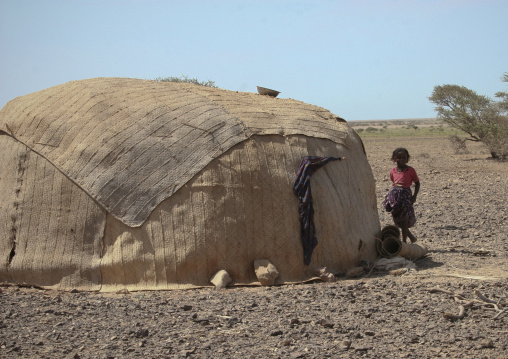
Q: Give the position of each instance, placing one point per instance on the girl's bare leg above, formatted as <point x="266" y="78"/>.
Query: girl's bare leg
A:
<point x="405" y="230"/>
<point x="411" y="236"/>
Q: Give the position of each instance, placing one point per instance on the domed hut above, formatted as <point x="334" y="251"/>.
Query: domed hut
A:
<point x="113" y="183"/>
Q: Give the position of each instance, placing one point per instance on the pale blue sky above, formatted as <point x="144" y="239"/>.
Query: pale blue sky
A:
<point x="361" y="59"/>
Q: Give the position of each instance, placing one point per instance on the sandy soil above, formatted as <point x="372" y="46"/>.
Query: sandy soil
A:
<point x="462" y="217"/>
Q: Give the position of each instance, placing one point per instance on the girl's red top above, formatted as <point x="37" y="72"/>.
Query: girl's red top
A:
<point x="405" y="178"/>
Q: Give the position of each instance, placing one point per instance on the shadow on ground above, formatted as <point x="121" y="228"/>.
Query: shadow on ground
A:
<point x="428" y="263"/>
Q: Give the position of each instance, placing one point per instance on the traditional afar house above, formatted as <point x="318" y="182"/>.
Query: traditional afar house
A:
<point x="114" y="183"/>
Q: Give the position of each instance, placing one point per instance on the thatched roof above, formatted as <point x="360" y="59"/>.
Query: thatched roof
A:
<point x="130" y="144"/>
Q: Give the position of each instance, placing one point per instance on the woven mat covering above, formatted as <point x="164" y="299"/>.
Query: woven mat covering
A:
<point x="51" y="230"/>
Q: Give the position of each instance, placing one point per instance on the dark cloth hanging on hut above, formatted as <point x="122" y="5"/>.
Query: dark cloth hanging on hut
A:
<point x="301" y="187"/>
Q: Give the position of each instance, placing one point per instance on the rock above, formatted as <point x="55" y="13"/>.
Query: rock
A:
<point x="327" y="277"/>
<point x="320" y="270"/>
<point x="325" y="323"/>
<point x="141" y="333"/>
<point x="221" y="279"/>
<point x="232" y="321"/>
<point x="399" y="271"/>
<point x="414" y="339"/>
<point x="265" y="272"/>
<point x="486" y="343"/>
<point x="324" y="275"/>
<point x="345" y="344"/>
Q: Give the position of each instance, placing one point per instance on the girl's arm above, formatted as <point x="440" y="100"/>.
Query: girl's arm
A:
<point x="417" y="189"/>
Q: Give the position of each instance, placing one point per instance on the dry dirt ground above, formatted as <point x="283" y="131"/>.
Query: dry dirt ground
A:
<point x="462" y="217"/>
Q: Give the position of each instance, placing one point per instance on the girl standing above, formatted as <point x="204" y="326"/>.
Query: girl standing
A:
<point x="399" y="200"/>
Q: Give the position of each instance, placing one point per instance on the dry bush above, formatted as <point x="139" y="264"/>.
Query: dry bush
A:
<point x="458" y="144"/>
<point x="496" y="139"/>
<point x="187" y="79"/>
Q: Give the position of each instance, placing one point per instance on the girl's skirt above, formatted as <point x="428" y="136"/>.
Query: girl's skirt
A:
<point x="398" y="202"/>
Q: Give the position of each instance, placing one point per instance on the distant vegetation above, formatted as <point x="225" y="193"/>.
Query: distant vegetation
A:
<point x="187" y="79"/>
<point x="479" y="117"/>
<point x="403" y="128"/>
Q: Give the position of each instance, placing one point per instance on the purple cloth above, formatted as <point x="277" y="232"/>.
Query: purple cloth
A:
<point x="301" y="187"/>
<point x="398" y="202"/>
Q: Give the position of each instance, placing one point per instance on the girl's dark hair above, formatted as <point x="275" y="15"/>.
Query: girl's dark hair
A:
<point x="397" y="150"/>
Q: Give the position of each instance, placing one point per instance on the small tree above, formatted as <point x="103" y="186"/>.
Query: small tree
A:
<point x="483" y="119"/>
<point x="503" y="95"/>
<point x="186" y="79"/>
